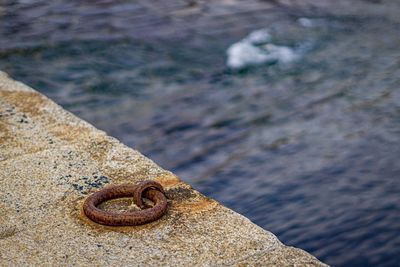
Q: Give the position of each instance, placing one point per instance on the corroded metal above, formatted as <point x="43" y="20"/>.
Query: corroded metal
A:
<point x="147" y="189"/>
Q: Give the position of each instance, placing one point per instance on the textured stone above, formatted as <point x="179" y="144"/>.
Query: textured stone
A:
<point x="51" y="160"/>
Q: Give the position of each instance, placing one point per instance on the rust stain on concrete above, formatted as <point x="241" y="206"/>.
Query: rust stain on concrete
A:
<point x="68" y="132"/>
<point x="168" y="180"/>
<point x="27" y="102"/>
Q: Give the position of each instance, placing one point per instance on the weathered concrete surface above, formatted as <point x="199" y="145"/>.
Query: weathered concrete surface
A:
<point x="50" y="160"/>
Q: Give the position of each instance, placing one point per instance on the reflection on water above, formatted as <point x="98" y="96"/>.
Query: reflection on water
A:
<point x="307" y="150"/>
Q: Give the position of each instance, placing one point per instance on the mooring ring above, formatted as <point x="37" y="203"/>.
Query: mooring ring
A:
<point x="147" y="189"/>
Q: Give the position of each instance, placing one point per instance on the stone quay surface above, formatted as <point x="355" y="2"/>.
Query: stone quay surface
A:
<point x="50" y="161"/>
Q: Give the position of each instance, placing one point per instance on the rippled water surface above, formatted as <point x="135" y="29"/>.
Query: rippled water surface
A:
<point x="308" y="149"/>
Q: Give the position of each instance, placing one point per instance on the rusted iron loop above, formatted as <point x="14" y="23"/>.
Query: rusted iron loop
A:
<point x="146" y="189"/>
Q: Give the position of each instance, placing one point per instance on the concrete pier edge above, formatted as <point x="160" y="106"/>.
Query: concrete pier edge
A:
<point x="50" y="161"/>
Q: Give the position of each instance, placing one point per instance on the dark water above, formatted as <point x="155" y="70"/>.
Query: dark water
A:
<point x="309" y="150"/>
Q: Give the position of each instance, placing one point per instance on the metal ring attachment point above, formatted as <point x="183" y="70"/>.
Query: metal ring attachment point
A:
<point x="146" y="189"/>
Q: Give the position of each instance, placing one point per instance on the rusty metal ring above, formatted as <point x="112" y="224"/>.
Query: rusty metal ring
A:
<point x="147" y="189"/>
<point x="141" y="188"/>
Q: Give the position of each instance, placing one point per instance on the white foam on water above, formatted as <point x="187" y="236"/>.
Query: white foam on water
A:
<point x="258" y="37"/>
<point x="306" y="22"/>
<point x="256" y="49"/>
<point x="282" y="54"/>
<point x="243" y="54"/>
<point x="312" y="22"/>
